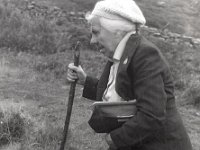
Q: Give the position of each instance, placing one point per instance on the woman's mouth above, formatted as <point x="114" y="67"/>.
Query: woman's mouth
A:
<point x="98" y="47"/>
<point x="102" y="50"/>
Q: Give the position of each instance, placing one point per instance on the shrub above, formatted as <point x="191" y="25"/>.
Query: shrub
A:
<point x="12" y="129"/>
<point x="23" y="32"/>
<point x="14" y="122"/>
<point x="39" y="33"/>
<point x="78" y="33"/>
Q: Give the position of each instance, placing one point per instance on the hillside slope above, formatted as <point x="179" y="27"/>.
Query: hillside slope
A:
<point x="34" y="85"/>
<point x="176" y="15"/>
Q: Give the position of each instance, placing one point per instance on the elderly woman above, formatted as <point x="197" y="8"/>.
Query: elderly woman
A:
<point x="137" y="70"/>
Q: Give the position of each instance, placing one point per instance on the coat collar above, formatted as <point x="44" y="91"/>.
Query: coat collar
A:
<point x="130" y="48"/>
<point x="121" y="46"/>
<point x="123" y="80"/>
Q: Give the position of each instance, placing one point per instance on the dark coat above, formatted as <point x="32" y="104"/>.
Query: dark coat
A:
<point x="144" y="75"/>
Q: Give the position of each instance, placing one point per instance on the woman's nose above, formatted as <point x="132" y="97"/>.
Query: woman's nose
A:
<point x="93" y="40"/>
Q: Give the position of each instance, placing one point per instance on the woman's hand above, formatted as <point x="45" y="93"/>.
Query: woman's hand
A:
<point x="76" y="73"/>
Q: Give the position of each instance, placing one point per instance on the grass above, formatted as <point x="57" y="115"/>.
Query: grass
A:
<point x="38" y="34"/>
<point x="44" y="101"/>
<point x="34" y="54"/>
<point x="180" y="15"/>
<point x="12" y="123"/>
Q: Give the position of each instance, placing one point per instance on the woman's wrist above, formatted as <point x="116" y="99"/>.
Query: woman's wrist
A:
<point x="82" y="81"/>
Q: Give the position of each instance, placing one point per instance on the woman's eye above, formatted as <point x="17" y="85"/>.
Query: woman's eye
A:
<point x="95" y="32"/>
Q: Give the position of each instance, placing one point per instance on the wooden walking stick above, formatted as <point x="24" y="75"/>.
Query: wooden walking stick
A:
<point x="70" y="98"/>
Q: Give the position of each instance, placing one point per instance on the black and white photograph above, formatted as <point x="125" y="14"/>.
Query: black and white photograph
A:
<point x="99" y="74"/>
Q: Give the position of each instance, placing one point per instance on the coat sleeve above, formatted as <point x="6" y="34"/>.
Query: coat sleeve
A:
<point x="148" y="87"/>
<point x="90" y="88"/>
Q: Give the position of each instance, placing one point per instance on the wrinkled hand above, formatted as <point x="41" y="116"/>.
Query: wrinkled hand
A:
<point x="110" y="142"/>
<point x="76" y="73"/>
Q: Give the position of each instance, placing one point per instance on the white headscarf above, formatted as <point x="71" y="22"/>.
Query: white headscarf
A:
<point x="118" y="14"/>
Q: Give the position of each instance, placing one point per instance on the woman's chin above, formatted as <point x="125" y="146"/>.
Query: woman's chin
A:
<point x="108" y="56"/>
<point x="109" y="59"/>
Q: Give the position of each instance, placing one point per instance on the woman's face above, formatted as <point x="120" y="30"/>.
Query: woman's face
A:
<point x="107" y="40"/>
